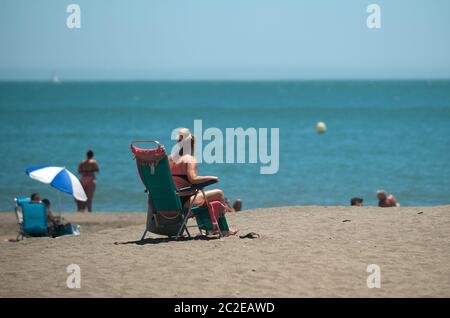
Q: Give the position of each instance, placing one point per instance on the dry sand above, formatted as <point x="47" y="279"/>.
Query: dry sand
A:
<point x="303" y="252"/>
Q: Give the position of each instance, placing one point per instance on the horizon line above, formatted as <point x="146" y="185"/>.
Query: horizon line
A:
<point x="61" y="81"/>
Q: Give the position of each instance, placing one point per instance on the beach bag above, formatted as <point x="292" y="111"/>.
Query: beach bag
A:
<point x="67" y="229"/>
<point x="166" y="223"/>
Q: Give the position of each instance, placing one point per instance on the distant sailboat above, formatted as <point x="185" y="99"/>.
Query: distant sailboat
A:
<point x="55" y="79"/>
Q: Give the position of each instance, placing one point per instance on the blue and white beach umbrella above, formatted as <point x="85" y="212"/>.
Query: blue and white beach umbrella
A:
<point x="59" y="178"/>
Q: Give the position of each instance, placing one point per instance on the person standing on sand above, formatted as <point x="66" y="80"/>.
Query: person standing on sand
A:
<point x="87" y="170"/>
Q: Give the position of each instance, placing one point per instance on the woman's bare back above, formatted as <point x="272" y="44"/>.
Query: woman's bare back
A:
<point x="88" y="167"/>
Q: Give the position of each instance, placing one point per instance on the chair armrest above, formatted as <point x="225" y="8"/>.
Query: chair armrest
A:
<point x="194" y="187"/>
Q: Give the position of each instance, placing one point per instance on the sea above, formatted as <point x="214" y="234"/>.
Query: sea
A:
<point x="392" y="135"/>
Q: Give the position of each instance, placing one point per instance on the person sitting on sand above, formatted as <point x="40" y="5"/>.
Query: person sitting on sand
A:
<point x="87" y="170"/>
<point x="35" y="198"/>
<point x="356" y="202"/>
<point x="184" y="168"/>
<point x="54" y="223"/>
<point x="51" y="218"/>
<point x="385" y="200"/>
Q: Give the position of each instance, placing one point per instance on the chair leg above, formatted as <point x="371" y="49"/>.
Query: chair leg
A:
<point x="19" y="235"/>
<point x="186" y="229"/>
<point x="183" y="226"/>
<point x="143" y="236"/>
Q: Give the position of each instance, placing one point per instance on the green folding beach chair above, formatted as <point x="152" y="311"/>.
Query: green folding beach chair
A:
<point x="166" y="215"/>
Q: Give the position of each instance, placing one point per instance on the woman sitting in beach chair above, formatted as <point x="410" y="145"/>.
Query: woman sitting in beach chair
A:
<point x="53" y="221"/>
<point x="184" y="168"/>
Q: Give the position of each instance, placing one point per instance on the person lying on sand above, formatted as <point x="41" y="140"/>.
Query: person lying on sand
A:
<point x="385" y="200"/>
<point x="184" y="168"/>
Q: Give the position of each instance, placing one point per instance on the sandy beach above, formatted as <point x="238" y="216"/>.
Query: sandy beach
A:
<point x="307" y="251"/>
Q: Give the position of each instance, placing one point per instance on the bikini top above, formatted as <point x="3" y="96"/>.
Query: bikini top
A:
<point x="88" y="171"/>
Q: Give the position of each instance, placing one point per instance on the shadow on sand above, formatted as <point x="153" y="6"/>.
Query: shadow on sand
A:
<point x="158" y="240"/>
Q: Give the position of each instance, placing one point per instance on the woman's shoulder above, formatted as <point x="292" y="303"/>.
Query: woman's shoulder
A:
<point x="188" y="159"/>
<point x="181" y="159"/>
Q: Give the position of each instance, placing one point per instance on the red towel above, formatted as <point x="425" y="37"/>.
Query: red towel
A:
<point x="216" y="210"/>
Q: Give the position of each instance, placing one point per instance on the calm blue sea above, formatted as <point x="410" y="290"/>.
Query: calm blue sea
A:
<point x="381" y="134"/>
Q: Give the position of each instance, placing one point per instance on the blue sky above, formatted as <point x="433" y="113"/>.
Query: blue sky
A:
<point x="224" y="39"/>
